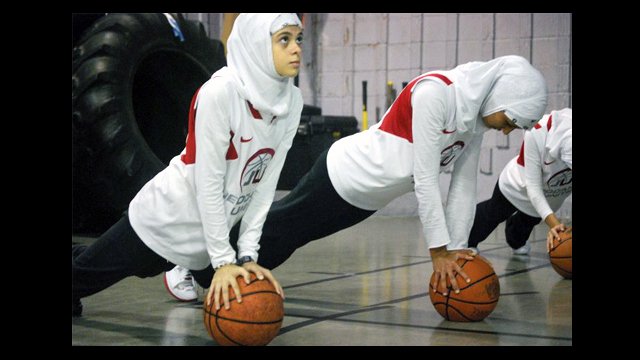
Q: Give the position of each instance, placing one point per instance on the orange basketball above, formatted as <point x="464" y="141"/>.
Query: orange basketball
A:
<point x="476" y="300"/>
<point x="560" y="254"/>
<point x="254" y="322"/>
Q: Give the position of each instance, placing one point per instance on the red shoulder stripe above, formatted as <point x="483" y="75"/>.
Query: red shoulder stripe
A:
<point x="399" y="118"/>
<point x="189" y="157"/>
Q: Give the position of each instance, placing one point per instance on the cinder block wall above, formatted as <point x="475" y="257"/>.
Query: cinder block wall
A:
<point x="341" y="50"/>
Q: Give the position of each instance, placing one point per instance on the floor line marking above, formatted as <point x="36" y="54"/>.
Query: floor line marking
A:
<point x="316" y="319"/>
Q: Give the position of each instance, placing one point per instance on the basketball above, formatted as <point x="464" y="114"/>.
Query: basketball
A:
<point x="560" y="254"/>
<point x="476" y="300"/>
<point x="253" y="322"/>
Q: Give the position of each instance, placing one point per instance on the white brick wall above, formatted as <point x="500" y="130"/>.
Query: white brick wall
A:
<point x="370" y="28"/>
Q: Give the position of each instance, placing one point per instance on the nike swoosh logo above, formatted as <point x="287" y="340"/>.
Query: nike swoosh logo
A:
<point x="449" y="132"/>
<point x="245" y="140"/>
<point x="549" y="163"/>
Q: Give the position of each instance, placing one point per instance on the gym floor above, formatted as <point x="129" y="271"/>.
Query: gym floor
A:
<point x="366" y="285"/>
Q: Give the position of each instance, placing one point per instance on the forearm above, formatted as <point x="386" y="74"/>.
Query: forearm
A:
<point x="254" y="218"/>
<point x="533" y="177"/>
<point x="461" y="202"/>
<point x="209" y="191"/>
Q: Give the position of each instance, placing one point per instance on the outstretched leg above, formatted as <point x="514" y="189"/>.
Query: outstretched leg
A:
<point x="489" y="214"/>
<point x="311" y="211"/>
<point x="518" y="229"/>
<point x="117" y="254"/>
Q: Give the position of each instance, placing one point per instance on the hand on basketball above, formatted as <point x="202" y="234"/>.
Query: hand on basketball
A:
<point x="222" y="279"/>
<point x="554" y="234"/>
<point x="261" y="273"/>
<point x="445" y="267"/>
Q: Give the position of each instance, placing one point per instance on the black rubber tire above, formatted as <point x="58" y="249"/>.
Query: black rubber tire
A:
<point x="132" y="83"/>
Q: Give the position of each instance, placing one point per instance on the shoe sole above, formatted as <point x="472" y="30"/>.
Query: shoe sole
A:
<point x="166" y="286"/>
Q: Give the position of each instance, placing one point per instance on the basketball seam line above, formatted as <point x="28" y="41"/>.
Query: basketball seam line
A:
<point x="459" y="313"/>
<point x="559" y="243"/>
<point x="249" y="322"/>
<point x="256" y="292"/>
<point x="225" y="334"/>
<point x="468" y="302"/>
<point x="247" y="294"/>
<point x="466" y="287"/>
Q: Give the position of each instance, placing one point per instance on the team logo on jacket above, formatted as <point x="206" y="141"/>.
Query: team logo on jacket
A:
<point x="256" y="166"/>
<point x="559" y="184"/>
<point x="450" y="152"/>
<point x="562" y="178"/>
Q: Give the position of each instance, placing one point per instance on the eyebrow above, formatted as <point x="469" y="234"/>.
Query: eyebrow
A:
<point x="288" y="33"/>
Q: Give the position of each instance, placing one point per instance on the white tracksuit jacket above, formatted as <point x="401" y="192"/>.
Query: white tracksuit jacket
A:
<point x="415" y="140"/>
<point x="186" y="211"/>
<point x="539" y="188"/>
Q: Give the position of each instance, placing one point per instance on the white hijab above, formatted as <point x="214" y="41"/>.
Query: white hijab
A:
<point x="250" y="62"/>
<point x="560" y="139"/>
<point x="507" y="83"/>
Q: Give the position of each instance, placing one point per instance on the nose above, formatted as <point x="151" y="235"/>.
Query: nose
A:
<point x="296" y="49"/>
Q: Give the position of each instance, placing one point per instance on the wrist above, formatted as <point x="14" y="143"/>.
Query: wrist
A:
<point x="438" y="250"/>
<point x="244" y="259"/>
<point x="223" y="264"/>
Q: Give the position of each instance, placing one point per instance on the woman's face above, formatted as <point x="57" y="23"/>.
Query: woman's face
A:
<point x="499" y="121"/>
<point x="287" y="50"/>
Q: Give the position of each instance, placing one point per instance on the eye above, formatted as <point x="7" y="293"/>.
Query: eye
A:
<point x="284" y="40"/>
<point x="299" y="39"/>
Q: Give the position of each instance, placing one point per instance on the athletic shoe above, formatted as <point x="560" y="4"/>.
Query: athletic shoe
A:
<point x="180" y="284"/>
<point x="523" y="250"/>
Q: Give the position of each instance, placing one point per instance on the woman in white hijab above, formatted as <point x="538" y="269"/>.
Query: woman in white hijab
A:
<point x="436" y="121"/>
<point x="532" y="186"/>
<point x="242" y="122"/>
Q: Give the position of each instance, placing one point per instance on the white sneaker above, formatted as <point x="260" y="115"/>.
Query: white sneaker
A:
<point x="474" y="250"/>
<point x="180" y="284"/>
<point x="523" y="250"/>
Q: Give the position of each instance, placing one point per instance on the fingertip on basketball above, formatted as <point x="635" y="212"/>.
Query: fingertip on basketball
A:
<point x="475" y="300"/>
<point x="255" y="322"/>
<point x="560" y="255"/>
